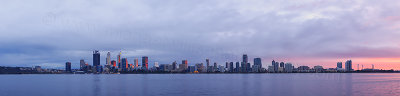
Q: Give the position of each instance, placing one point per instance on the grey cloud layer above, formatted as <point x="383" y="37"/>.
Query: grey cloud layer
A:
<point x="48" y="32"/>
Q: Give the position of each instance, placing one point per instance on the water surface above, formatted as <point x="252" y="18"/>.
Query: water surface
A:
<point x="297" y="84"/>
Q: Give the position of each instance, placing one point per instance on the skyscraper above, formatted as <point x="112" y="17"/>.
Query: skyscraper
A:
<point x="145" y="62"/>
<point x="245" y="58"/>
<point x="275" y="65"/>
<point x="231" y="67"/>
<point x="108" y="59"/>
<point x="208" y="64"/>
<point x="339" y="65"/>
<point x="243" y="67"/>
<point x="68" y="67"/>
<point x="349" y="66"/>
<point x="215" y="66"/>
<point x="136" y="62"/>
<point x="96" y="58"/>
<point x="226" y="64"/>
<point x="237" y="66"/>
<point x="257" y="61"/>
<point x="114" y="63"/>
<point x="82" y="64"/>
<point x="174" y="64"/>
<point x="185" y="63"/>
<point x="282" y="65"/>
<point x="124" y="64"/>
<point x="289" y="67"/>
<point x="119" y="59"/>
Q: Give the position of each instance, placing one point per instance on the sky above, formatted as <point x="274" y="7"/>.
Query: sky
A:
<point x="49" y="33"/>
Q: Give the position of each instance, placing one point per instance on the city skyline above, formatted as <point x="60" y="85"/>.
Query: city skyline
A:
<point x="245" y="64"/>
<point x="308" y="33"/>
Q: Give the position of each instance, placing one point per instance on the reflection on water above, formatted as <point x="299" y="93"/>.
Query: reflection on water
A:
<point x="330" y="84"/>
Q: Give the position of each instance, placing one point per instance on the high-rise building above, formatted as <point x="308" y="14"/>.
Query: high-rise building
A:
<point x="282" y="65"/>
<point x="136" y="62"/>
<point x="289" y="67"/>
<point x="208" y="64"/>
<point x="185" y="63"/>
<point x="119" y="59"/>
<point x="215" y="66"/>
<point x="226" y="64"/>
<point x="245" y="58"/>
<point x="96" y="58"/>
<point x="275" y="65"/>
<point x="200" y="67"/>
<point x="145" y="62"/>
<point x="339" y="65"/>
<point x="174" y="65"/>
<point x="124" y="64"/>
<point x="257" y="61"/>
<point x="68" y="67"/>
<point x="231" y="67"/>
<point x="108" y="59"/>
<point x="248" y="67"/>
<point x="82" y="65"/>
<point x="243" y="67"/>
<point x="113" y="63"/>
<point x="237" y="67"/>
<point x="349" y="66"/>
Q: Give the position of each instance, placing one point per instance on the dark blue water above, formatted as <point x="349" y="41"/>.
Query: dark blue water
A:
<point x="330" y="84"/>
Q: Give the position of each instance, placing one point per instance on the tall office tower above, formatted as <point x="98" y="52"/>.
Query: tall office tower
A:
<point x="276" y="65"/>
<point x="339" y="65"/>
<point x="349" y="65"/>
<point x="136" y="62"/>
<point x="248" y="67"/>
<point x="124" y="64"/>
<point x="185" y="63"/>
<point x="114" y="63"/>
<point x="215" y="66"/>
<point x="82" y="64"/>
<point x="231" y="67"/>
<point x="68" y="67"/>
<point x="245" y="58"/>
<point x="208" y="64"/>
<point x="273" y="62"/>
<point x="226" y="64"/>
<point x="96" y="58"/>
<point x="108" y="59"/>
<point x="289" y="67"/>
<point x="257" y="61"/>
<point x="237" y="66"/>
<point x="199" y="67"/>
<point x="174" y="65"/>
<point x="282" y="65"/>
<point x="145" y="62"/>
<point x="243" y="67"/>
<point x="119" y="59"/>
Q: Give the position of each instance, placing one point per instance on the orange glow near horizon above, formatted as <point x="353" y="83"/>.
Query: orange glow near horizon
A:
<point x="379" y="63"/>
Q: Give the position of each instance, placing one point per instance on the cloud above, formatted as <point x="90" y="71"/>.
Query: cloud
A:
<point x="47" y="32"/>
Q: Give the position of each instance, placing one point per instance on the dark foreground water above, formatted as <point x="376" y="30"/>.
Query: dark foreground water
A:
<point x="345" y="84"/>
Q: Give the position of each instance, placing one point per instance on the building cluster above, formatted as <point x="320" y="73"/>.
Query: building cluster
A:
<point x="121" y="65"/>
<point x="282" y="67"/>
<point x="28" y="70"/>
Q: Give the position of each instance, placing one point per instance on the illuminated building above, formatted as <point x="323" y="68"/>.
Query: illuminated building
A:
<point x="145" y="62"/>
